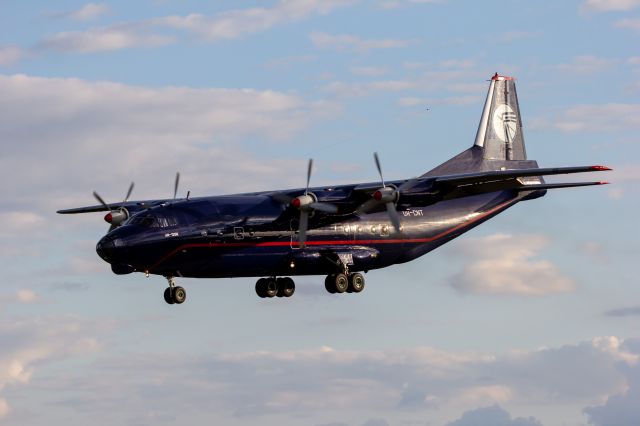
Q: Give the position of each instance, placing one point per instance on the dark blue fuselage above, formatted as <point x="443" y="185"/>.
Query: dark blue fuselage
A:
<point x="253" y="236"/>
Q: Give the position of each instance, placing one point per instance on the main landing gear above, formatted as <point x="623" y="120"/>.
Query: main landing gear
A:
<point x="334" y="283"/>
<point x="341" y="283"/>
<point x="271" y="287"/>
<point x="173" y="293"/>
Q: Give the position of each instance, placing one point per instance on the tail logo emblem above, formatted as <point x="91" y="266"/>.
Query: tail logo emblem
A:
<point x="505" y="123"/>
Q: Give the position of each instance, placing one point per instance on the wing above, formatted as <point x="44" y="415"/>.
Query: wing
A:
<point x="131" y="206"/>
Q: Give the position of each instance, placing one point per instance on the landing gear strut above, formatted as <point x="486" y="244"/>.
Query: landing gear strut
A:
<point x="173" y="293"/>
<point x="271" y="287"/>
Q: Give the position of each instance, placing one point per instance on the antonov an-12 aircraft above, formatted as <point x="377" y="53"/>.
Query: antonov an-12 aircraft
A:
<point x="340" y="231"/>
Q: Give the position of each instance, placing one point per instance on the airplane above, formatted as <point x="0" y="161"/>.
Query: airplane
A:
<point x="341" y="231"/>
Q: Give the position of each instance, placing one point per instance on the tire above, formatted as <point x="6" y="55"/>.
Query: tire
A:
<point x="330" y="284"/>
<point x="341" y="283"/>
<point x="271" y="287"/>
<point x="261" y="286"/>
<point x="179" y="295"/>
<point x="167" y="296"/>
<point x="286" y="287"/>
<point x="356" y="282"/>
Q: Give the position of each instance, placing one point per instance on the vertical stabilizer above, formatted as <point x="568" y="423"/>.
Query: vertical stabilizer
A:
<point x="500" y="129"/>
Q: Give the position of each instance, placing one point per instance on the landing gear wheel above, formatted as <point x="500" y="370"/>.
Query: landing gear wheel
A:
<point x="286" y="287"/>
<point x="356" y="283"/>
<point x="261" y="287"/>
<point x="179" y="295"/>
<point x="167" y="296"/>
<point x="329" y="284"/>
<point x="341" y="283"/>
<point x="271" y="287"/>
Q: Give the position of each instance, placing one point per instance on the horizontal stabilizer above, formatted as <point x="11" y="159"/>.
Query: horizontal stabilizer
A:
<point x="558" y="185"/>
<point x="499" y="175"/>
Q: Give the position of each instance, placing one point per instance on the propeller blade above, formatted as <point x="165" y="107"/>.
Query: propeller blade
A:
<point x="126" y="198"/>
<point x="309" y="167"/>
<point x="324" y="207"/>
<point x="367" y="206"/>
<point x="101" y="201"/>
<point x="302" y="228"/>
<point x="175" y="187"/>
<point x="393" y="215"/>
<point x="377" y="160"/>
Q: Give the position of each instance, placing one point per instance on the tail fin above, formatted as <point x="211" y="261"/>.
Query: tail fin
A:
<point x="499" y="141"/>
<point x="500" y="130"/>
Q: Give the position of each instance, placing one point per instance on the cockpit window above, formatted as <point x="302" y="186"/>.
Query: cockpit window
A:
<point x="151" y="221"/>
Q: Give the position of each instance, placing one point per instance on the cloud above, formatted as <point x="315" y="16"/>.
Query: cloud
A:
<point x="492" y="416"/>
<point x="393" y="4"/>
<point x="369" y="71"/>
<point x="30" y="342"/>
<point x="609" y="5"/>
<point x="240" y="22"/>
<point x="585" y="65"/>
<point x="307" y="382"/>
<point x="623" y="408"/>
<point x="623" y="312"/>
<point x="507" y="264"/>
<point x="352" y="43"/>
<point x="10" y="54"/>
<point x="614" y="117"/>
<point x="628" y="24"/>
<point x="88" y="12"/>
<point x="102" y="39"/>
<point x="109" y="133"/>
<point x="152" y="32"/>
<point x="434" y="81"/>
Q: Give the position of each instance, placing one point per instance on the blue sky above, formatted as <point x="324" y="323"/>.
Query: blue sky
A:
<point x="237" y="95"/>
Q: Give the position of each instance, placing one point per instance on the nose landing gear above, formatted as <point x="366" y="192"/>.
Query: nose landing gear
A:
<point x="174" y="294"/>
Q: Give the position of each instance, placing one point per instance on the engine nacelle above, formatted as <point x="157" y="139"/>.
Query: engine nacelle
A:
<point x="116" y="217"/>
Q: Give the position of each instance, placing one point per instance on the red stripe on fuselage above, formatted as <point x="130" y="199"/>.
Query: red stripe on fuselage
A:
<point x="334" y="242"/>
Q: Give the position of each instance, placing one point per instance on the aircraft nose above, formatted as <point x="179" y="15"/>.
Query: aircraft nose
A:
<point x="107" y="247"/>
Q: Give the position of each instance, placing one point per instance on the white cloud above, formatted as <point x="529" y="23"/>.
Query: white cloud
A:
<point x="25" y="295"/>
<point x="492" y="416"/>
<point x="614" y="117"/>
<point x="308" y="382"/>
<point x="393" y="4"/>
<point x="224" y="25"/>
<point x="4" y="408"/>
<point x="10" y="54"/>
<point x="622" y="408"/>
<point x="30" y="342"/>
<point x="101" y="135"/>
<point x="435" y="82"/>
<point x="352" y="43"/>
<point x="628" y="24"/>
<point x="508" y="264"/>
<point x="585" y="65"/>
<point x="369" y="71"/>
<point x="609" y="5"/>
<point x="89" y="11"/>
<point x="102" y="39"/>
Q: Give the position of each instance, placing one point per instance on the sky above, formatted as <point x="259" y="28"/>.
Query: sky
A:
<point x="532" y="318"/>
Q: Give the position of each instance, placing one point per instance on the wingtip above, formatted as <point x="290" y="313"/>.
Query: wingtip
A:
<point x="604" y="183"/>
<point x="600" y="168"/>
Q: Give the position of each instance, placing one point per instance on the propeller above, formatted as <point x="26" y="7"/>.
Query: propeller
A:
<point x="387" y="194"/>
<point x="175" y="186"/>
<point x="117" y="216"/>
<point x="306" y="203"/>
